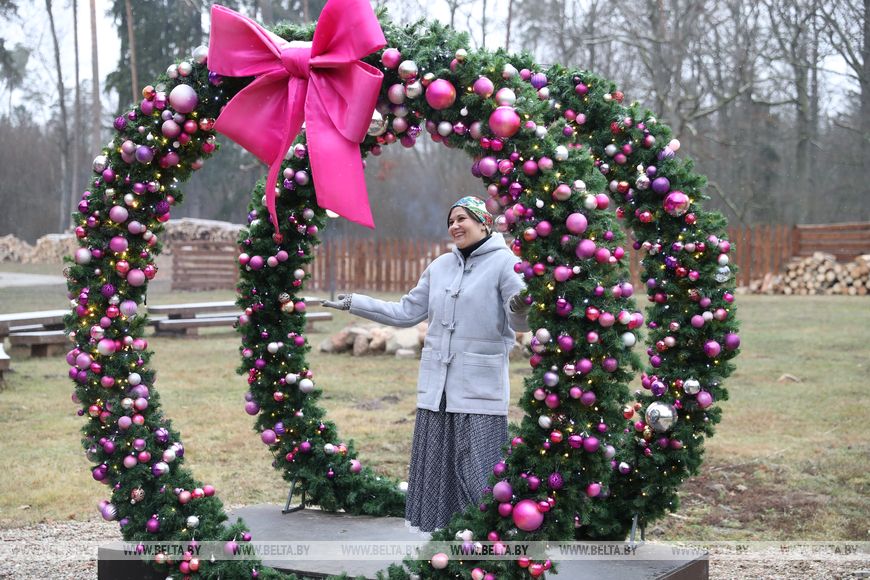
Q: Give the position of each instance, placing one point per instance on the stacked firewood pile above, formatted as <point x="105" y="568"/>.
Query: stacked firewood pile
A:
<point x="51" y="248"/>
<point x="818" y="274"/>
<point x="368" y="338"/>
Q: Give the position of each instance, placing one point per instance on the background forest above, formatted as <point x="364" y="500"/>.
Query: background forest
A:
<point x="770" y="97"/>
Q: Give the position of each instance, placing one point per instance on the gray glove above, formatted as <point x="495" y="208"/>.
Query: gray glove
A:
<point x="518" y="305"/>
<point x="341" y="302"/>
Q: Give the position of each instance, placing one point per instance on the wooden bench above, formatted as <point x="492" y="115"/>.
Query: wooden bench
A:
<point x="39" y="342"/>
<point x="188" y="318"/>
<point x="21" y="322"/>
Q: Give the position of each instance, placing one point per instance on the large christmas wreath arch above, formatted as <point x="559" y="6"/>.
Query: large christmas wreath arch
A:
<point x="564" y="160"/>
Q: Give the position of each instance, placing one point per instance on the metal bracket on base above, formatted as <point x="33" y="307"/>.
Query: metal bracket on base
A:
<point x="633" y="532"/>
<point x="287" y="509"/>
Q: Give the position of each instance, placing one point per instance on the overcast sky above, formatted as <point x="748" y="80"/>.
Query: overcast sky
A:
<point x="32" y="29"/>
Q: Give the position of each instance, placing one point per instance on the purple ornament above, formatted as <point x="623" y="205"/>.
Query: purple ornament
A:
<point x="502" y="491"/>
<point x="588" y="398"/>
<point x="118" y="244"/>
<point x="268" y="437"/>
<point x="676" y="203"/>
<point x="705" y="399"/>
<point x="144" y="154"/>
<point x="555" y="481"/>
<point x="732" y="341"/>
<point x="591" y="444"/>
<point x="526" y="515"/>
<point x="661" y="185"/>
<point x="539" y="80"/>
<point x="712" y="348"/>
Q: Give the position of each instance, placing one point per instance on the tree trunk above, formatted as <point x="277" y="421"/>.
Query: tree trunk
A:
<point x="483" y="25"/>
<point x="64" y="131"/>
<point x="507" y="38"/>
<point x="75" y="186"/>
<point x="96" y="120"/>
<point x="305" y="11"/>
<point x="864" y="111"/>
<point x="131" y="38"/>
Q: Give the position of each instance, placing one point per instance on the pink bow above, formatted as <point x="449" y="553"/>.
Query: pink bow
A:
<point x="324" y="85"/>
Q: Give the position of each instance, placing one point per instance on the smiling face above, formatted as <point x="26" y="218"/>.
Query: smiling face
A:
<point x="464" y="229"/>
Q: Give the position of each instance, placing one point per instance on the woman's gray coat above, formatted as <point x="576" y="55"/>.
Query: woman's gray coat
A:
<point x="471" y="327"/>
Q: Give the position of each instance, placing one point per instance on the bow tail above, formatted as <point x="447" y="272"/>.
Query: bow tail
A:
<point x="336" y="167"/>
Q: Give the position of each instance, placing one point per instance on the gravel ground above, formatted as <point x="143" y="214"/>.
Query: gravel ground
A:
<point x="73" y="547"/>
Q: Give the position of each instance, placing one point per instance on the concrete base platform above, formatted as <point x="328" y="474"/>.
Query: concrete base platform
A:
<point x="267" y="523"/>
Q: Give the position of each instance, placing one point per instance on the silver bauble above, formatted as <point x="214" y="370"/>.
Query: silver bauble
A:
<point x="723" y="274"/>
<point x="200" y="54"/>
<point x="545" y="422"/>
<point x="408" y="70"/>
<point x="691" y="386"/>
<point x="306" y="385"/>
<point x="561" y="153"/>
<point x="192" y="522"/>
<point x="661" y="416"/>
<point x="100" y="163"/>
<point x="378" y="125"/>
<point x="414" y="90"/>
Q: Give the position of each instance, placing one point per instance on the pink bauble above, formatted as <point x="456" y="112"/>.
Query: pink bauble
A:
<point x="136" y="277"/>
<point x="585" y="249"/>
<point x="252" y="408"/>
<point x="440" y="560"/>
<point x="676" y="203"/>
<point x="526" y="515"/>
<point x="562" y="273"/>
<point x="483" y="87"/>
<point x="118" y="214"/>
<point x="576" y="223"/>
<point x="488" y="166"/>
<point x="502" y="491"/>
<point x="505" y="509"/>
<point x="440" y="94"/>
<point x="118" y="244"/>
<point x="268" y="436"/>
<point x="712" y="348"/>
<point x="705" y="399"/>
<point x="130" y="461"/>
<point x="128" y="307"/>
<point x="504" y="122"/>
<point x="256" y="262"/>
<point x="391" y="58"/>
<point x="355" y="466"/>
<point x="183" y="98"/>
<point x="593" y="489"/>
<point x="83" y="256"/>
<point x="106" y="346"/>
<point x="170" y="129"/>
<point x="83" y="361"/>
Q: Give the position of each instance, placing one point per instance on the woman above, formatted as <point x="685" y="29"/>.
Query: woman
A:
<point x="471" y="298"/>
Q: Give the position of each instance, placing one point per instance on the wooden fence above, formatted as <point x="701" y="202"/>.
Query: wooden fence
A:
<point x="204" y="265"/>
<point x="396" y="265"/>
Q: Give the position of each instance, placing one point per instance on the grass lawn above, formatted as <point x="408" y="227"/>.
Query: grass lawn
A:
<point x="788" y="462"/>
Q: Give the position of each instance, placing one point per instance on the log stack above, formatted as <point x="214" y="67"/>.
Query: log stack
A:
<point x="819" y="274"/>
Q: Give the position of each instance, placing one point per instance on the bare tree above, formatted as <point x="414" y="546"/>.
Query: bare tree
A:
<point x="95" y="83"/>
<point x="131" y="38"/>
<point x="847" y="24"/>
<point x="75" y="186"/>
<point x="64" y="127"/>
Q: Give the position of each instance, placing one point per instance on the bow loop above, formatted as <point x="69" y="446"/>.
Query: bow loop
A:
<point x="324" y="85"/>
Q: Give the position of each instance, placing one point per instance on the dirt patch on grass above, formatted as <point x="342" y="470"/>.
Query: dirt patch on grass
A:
<point x="762" y="501"/>
<point x="377" y="404"/>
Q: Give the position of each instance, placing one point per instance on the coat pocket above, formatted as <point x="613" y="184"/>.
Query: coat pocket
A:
<point x="428" y="370"/>
<point x="483" y="376"/>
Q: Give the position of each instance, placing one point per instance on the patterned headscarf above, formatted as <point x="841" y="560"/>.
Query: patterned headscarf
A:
<point x="476" y="207"/>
